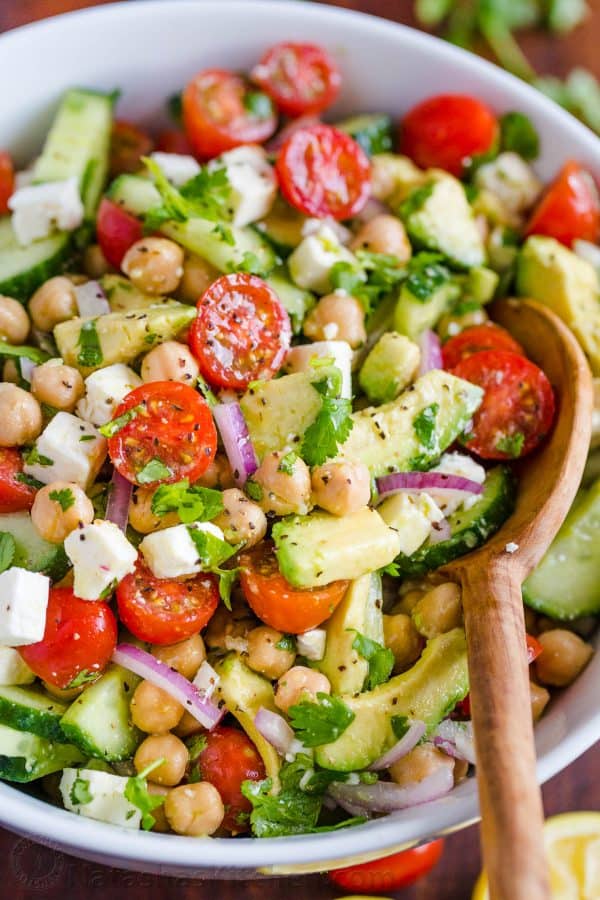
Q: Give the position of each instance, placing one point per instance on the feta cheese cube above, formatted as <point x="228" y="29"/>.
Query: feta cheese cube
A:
<point x="105" y="795"/>
<point x="411" y="516"/>
<point x="66" y="450"/>
<point x="104" y="391"/>
<point x="13" y="670"/>
<point x="23" y="603"/>
<point x="300" y="359"/>
<point x="39" y="209"/>
<point x="171" y="552"/>
<point x="101" y="556"/>
<point x="252" y="182"/>
<point x="311" y="644"/>
<point x="176" y="167"/>
<point x="311" y="261"/>
<point x="456" y="464"/>
<point x="313" y="226"/>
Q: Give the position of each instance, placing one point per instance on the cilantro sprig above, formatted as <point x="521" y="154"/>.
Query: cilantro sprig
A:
<point x="192" y="503"/>
<point x="213" y="552"/>
<point x="136" y="791"/>
<point x="379" y="658"/>
<point x="333" y="424"/>
<point x="320" y="722"/>
<point x="116" y="425"/>
<point x="64" y="498"/>
<point x="375" y="276"/>
<point x="205" y="196"/>
<point x="8" y="549"/>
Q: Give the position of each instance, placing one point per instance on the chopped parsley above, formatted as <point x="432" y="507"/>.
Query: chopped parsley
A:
<point x="286" y="642"/>
<point x="258" y="104"/>
<point x="321" y="722"/>
<point x="416" y="200"/>
<point x="154" y="470"/>
<point x="191" y="503"/>
<point x="136" y="791"/>
<point x="28" y="480"/>
<point x="84" y="677"/>
<point x="400" y="726"/>
<point x="425" y="275"/>
<point x="80" y="792"/>
<point x="511" y="444"/>
<point x="518" y="135"/>
<point x="90" y="349"/>
<point x="213" y="552"/>
<point x="424" y="426"/>
<point x="64" y="498"/>
<point x="205" y="196"/>
<point x="287" y="462"/>
<point x="375" y="277"/>
<point x="250" y="263"/>
<point x="224" y="233"/>
<point x="7" y="550"/>
<point x="87" y="437"/>
<point x="332" y="425"/>
<point x="379" y="658"/>
<point x="34" y="458"/>
<point x="253" y="490"/>
<point x="33" y="353"/>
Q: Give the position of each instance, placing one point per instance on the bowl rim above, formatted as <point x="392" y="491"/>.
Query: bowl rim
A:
<point x="58" y="828"/>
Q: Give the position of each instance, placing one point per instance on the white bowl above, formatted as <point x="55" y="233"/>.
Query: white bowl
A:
<point x="150" y="49"/>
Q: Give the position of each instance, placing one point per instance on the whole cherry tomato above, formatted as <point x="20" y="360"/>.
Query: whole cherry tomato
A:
<point x="390" y="873"/>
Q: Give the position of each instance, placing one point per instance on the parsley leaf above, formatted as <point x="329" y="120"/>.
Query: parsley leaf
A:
<point x="250" y="263"/>
<point x="332" y="425"/>
<point x="224" y="234"/>
<point x="33" y="353"/>
<point x="115" y="425"/>
<point x="7" y="550"/>
<point x="425" y="275"/>
<point x="227" y="579"/>
<point x="29" y="480"/>
<point x="136" y="791"/>
<point x="154" y="470"/>
<point x="424" y="426"/>
<point x="321" y="722"/>
<point x="191" y="503"/>
<point x="90" y="349"/>
<point x="286" y="642"/>
<point x="80" y="792"/>
<point x="286" y="463"/>
<point x="518" y="135"/>
<point x="212" y="551"/>
<point x="391" y="569"/>
<point x="84" y="677"/>
<point x="416" y="199"/>
<point x="379" y="658"/>
<point x="205" y="196"/>
<point x="64" y="498"/>
<point x="400" y="726"/>
<point x="34" y="458"/>
<point x="253" y="490"/>
<point x="258" y="104"/>
<point x="511" y="444"/>
<point x="376" y="276"/>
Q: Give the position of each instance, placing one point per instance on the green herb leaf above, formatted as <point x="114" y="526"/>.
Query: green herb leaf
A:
<point x="227" y="579"/>
<point x="17" y="352"/>
<point x="415" y="200"/>
<point x="175" y="107"/>
<point x="84" y="677"/>
<point x="424" y="425"/>
<point x="205" y="196"/>
<point x="206" y="392"/>
<point x="7" y="550"/>
<point x="212" y="551"/>
<point x="136" y="791"/>
<point x="400" y="726"/>
<point x="391" y="569"/>
<point x="64" y="498"/>
<point x="286" y="642"/>
<point x="332" y="425"/>
<point x="251" y="264"/>
<point x="90" y="349"/>
<point x="33" y="458"/>
<point x="155" y="470"/>
<point x="380" y="659"/>
<point x="258" y="104"/>
<point x="80" y="792"/>
<point x="425" y="275"/>
<point x="225" y="234"/>
<point x="28" y="480"/>
<point x="321" y="722"/>
<point x="518" y="135"/>
<point x="191" y="503"/>
<point x="287" y="462"/>
<point x="511" y="444"/>
<point x="253" y="490"/>
<point x="87" y="437"/>
<point x="116" y="425"/>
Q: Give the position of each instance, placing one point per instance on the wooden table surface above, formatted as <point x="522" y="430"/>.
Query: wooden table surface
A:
<point x="31" y="872"/>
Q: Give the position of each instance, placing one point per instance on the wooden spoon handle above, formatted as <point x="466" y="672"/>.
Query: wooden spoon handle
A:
<point x="510" y="799"/>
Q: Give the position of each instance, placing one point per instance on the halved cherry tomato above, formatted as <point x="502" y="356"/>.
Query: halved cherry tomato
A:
<point x="227" y="759"/>
<point x="446" y="131"/>
<point x="80" y="636"/>
<point x="174" y="140"/>
<point x="517" y="410"/>
<point x="276" y="602"/>
<point x="116" y="231"/>
<point x="534" y="648"/>
<point x="390" y="873"/>
<point x="7" y="181"/>
<point x="242" y="332"/>
<point x="169" y="436"/>
<point x="300" y="78"/>
<point x="165" y="610"/>
<point x="474" y="340"/>
<point x="15" y="495"/>
<point x="569" y="209"/>
<point x="324" y="172"/>
<point x="128" y="144"/>
<point x="221" y="111"/>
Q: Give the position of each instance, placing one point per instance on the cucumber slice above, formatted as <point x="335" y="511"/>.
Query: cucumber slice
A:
<point x="296" y="301"/>
<point x="29" y="709"/>
<point x="469" y="528"/>
<point x="98" y="720"/>
<point x="32" y="551"/>
<point x="25" y="756"/>
<point x="373" y="131"/>
<point x="566" y="584"/>
<point x="135" y="194"/>
<point x="24" y="269"/>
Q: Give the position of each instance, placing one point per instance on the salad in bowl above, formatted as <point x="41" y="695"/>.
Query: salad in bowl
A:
<point x="252" y="401"/>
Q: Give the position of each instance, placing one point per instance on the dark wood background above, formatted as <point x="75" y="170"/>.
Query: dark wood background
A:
<point x="30" y="872"/>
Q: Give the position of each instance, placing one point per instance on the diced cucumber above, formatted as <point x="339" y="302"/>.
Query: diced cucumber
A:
<point x="98" y="720"/>
<point x="124" y="296"/>
<point x="135" y="194"/>
<point x="373" y="131"/>
<point x="24" y="269"/>
<point x="283" y="227"/>
<point x="25" y="756"/>
<point x="32" y="552"/>
<point x="29" y="709"/>
<point x="295" y="300"/>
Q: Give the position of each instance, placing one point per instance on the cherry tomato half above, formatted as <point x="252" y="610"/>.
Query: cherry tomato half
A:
<point x="474" y="340"/>
<point x="7" y="181"/>
<point x="173" y="140"/>
<point x="170" y="434"/>
<point x="221" y="111"/>
<point x="569" y="209"/>
<point x="116" y="231"/>
<point x="242" y="332"/>
<point x="128" y="144"/>
<point x="518" y="404"/>
<point x="446" y="131"/>
<point x="15" y="495"/>
<point x="390" y="873"/>
<point x="300" y="78"/>
<point x="227" y="759"/>
<point x="324" y="172"/>
<point x="165" y="610"/>
<point x="276" y="602"/>
<point x="80" y="636"/>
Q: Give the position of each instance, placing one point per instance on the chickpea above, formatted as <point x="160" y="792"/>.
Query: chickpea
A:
<point x="198" y="275"/>
<point x="229" y="630"/>
<point x="341" y="488"/>
<point x="194" y="809"/>
<point x="51" y="519"/>
<point x="218" y="474"/>
<point x="14" y="321"/>
<point x="241" y="519"/>
<point x="407" y="601"/>
<point x="20" y="416"/>
<point x="95" y="263"/>
<point x="263" y="654"/>
<point x="563" y="657"/>
<point x="187" y="726"/>
<point x="300" y="683"/>
<point x="452" y="323"/>
<point x="185" y="657"/>
<point x="10" y="373"/>
<point x="421" y="762"/>
<point x="170" y="361"/>
<point x="154" y="710"/>
<point x="337" y="317"/>
<point x="383" y="234"/>
<point x="154" y="264"/>
<point x="167" y="747"/>
<point x="161" y="823"/>
<point x="539" y="699"/>
<point x="57" y="385"/>
<point x="53" y="302"/>
<point x="439" y="610"/>
<point x="403" y="640"/>
<point x="284" y="491"/>
<point x="141" y="517"/>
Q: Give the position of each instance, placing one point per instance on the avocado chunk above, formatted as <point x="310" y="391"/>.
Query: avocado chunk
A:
<point x="480" y="284"/>
<point x="119" y="337"/>
<point x="372" y="131"/>
<point x="320" y="548"/>
<point x="296" y="301"/>
<point x="566" y="584"/>
<point x="438" y="217"/>
<point x="553" y="275"/>
<point x="244" y="692"/>
<point x="25" y="756"/>
<point x="279" y="411"/>
<point x="124" y="296"/>
<point x="411" y="516"/>
<point x="413" y="315"/>
<point x="414" y="430"/>
<point x="360" y="611"/>
<point x="389" y="367"/>
<point x="428" y="691"/>
<point x="32" y="552"/>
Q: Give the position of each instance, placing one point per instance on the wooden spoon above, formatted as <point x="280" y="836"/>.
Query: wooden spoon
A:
<point x="491" y="578"/>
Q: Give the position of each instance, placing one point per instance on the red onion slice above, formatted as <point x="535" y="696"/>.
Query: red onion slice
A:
<point x="431" y="352"/>
<point x="425" y="481"/>
<point x="456" y="739"/>
<point x="440" y="531"/>
<point x="385" y="796"/>
<point x="147" y="666"/>
<point x="236" y="440"/>
<point x="91" y="300"/>
<point x="117" y="508"/>
<point x="274" y="729"/>
<point x="406" y="743"/>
